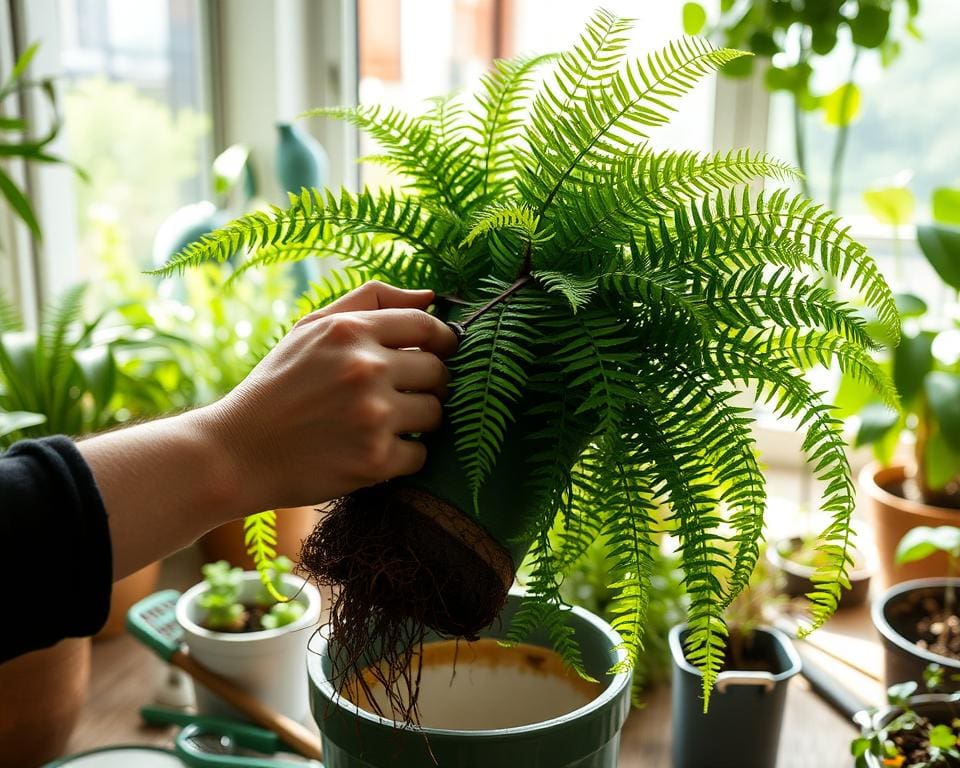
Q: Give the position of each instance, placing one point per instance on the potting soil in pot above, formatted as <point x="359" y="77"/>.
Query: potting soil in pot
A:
<point x="482" y="685"/>
<point x="922" y="619"/>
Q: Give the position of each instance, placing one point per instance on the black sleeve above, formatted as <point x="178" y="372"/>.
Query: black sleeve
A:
<point x="56" y="563"/>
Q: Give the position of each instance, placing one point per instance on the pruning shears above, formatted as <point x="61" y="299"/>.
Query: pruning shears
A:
<point x="216" y="742"/>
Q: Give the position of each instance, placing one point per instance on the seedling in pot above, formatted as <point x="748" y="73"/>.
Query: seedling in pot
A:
<point x="910" y="739"/>
<point x="225" y="612"/>
<point x="939" y="628"/>
<point x="221" y="600"/>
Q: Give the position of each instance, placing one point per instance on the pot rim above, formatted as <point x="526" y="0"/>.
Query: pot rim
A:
<point x="680" y="657"/>
<point x="805" y="571"/>
<point x="614" y="688"/>
<point x="867" y="480"/>
<point x="888" y="633"/>
<point x="310" y="616"/>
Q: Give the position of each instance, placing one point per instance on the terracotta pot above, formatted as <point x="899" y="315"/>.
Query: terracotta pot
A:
<point x="125" y="593"/>
<point x="42" y="695"/>
<point x="892" y="516"/>
<point x="226" y="542"/>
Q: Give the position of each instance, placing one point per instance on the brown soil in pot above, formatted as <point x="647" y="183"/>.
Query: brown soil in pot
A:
<point x="403" y="563"/>
<point x="921" y="619"/>
<point x="914" y="745"/>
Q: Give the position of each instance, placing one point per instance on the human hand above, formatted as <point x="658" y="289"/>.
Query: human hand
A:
<point x="323" y="413"/>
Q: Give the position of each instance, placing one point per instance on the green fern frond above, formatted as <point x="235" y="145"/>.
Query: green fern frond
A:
<point x="576" y="290"/>
<point x="260" y="536"/>
<point x="613" y="119"/>
<point x="498" y="119"/>
<point x="410" y="148"/>
<point x="10" y="319"/>
<point x="520" y="219"/>
<point x="492" y="369"/>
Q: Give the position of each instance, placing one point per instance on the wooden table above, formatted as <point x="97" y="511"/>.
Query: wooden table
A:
<point x="125" y="676"/>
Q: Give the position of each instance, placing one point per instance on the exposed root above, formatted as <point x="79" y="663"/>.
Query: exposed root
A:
<point x="400" y="567"/>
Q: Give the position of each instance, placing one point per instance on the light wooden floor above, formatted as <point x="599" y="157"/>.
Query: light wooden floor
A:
<point x="125" y="676"/>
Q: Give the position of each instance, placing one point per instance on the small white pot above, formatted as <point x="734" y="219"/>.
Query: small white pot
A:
<point x="270" y="664"/>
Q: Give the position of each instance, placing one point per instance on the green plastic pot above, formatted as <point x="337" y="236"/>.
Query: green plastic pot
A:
<point x="588" y="737"/>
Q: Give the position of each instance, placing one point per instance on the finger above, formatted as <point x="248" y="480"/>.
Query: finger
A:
<point x="414" y="371"/>
<point x="407" y="328"/>
<point x="409" y="456"/>
<point x="417" y="412"/>
<point x="376" y="295"/>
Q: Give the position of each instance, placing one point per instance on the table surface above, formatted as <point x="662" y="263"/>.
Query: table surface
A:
<point x="125" y="675"/>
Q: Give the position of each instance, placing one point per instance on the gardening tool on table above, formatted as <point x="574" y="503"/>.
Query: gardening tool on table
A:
<point x="153" y="622"/>
<point x="204" y="742"/>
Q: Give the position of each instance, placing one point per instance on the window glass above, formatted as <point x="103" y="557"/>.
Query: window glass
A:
<point x="395" y="66"/>
<point x="907" y="118"/>
<point x="136" y="119"/>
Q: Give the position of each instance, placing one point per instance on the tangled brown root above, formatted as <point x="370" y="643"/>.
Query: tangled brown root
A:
<point x="401" y="562"/>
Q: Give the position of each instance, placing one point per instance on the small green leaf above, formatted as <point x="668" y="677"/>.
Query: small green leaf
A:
<point x="12" y="421"/>
<point x="899" y="693"/>
<point x="890" y="205"/>
<point x="912" y="360"/>
<point x="943" y="394"/>
<point x="19" y="203"/>
<point x="941" y="463"/>
<point x="941" y="246"/>
<point x="909" y="305"/>
<point x="942" y="737"/>
<point x="694" y="18"/>
<point x="842" y="106"/>
<point x="229" y="167"/>
<point x="870" y="25"/>
<point x="741" y="67"/>
<point x="875" y="421"/>
<point x="946" y="206"/>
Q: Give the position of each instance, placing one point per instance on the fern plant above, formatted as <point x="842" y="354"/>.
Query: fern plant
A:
<point x="612" y="299"/>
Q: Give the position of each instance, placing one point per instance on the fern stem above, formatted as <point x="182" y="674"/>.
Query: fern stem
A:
<point x="517" y="285"/>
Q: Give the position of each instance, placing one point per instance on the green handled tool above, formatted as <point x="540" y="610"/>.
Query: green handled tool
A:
<point x="153" y="621"/>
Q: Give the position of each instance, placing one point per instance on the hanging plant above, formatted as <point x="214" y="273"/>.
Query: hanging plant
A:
<point x="612" y="298"/>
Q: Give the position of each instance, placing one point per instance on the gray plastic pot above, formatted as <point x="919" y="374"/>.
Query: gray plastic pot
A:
<point x="588" y="737"/>
<point x="902" y="659"/>
<point x="742" y="728"/>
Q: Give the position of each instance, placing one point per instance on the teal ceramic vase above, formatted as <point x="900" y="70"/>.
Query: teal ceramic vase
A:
<point x="301" y="161"/>
<point x="586" y="737"/>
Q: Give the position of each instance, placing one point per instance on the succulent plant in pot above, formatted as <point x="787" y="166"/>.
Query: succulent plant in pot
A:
<point x="612" y="297"/>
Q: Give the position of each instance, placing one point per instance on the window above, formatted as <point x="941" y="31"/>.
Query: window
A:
<point x="136" y="119"/>
<point x="908" y="111"/>
<point x="395" y="67"/>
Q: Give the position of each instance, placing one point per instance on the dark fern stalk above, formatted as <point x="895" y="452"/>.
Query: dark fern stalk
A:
<point x="617" y="293"/>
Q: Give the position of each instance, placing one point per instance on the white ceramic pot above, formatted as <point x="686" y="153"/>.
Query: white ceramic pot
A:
<point x="268" y="664"/>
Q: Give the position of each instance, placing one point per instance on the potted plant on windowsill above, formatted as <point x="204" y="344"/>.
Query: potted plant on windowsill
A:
<point x="918" y="620"/>
<point x="923" y="489"/>
<point x="611" y="296"/>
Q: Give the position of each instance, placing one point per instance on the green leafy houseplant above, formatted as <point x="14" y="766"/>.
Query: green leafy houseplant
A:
<point x="612" y="298"/>
<point x="926" y="366"/>
<point x="76" y="376"/>
<point x="791" y="35"/>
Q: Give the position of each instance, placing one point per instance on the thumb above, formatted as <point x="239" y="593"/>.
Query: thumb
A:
<point x="376" y="295"/>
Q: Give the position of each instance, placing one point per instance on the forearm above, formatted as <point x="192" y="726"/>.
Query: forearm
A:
<point x="163" y="484"/>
